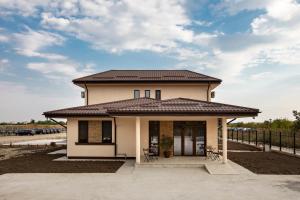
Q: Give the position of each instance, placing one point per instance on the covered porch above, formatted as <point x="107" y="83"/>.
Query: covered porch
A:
<point x="190" y="137"/>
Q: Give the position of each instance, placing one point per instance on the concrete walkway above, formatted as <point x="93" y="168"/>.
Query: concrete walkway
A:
<point x="149" y="183"/>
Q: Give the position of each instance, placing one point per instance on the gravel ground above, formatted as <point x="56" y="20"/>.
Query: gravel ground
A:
<point x="8" y="139"/>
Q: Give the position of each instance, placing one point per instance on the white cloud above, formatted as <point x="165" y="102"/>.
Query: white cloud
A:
<point x="260" y="76"/>
<point x="273" y="39"/>
<point x="4" y="36"/>
<point x="17" y="101"/>
<point x="233" y="7"/>
<point x="116" y="26"/>
<point x="31" y="43"/>
<point x="61" y="70"/>
<point x="3" y="64"/>
<point x="21" y="7"/>
<point x="202" y="23"/>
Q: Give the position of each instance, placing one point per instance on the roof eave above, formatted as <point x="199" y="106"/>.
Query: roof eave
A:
<point x="74" y="115"/>
<point x="76" y="82"/>
<point x="138" y="113"/>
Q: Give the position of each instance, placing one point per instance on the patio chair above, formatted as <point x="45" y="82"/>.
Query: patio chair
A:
<point x="212" y="153"/>
<point x="148" y="156"/>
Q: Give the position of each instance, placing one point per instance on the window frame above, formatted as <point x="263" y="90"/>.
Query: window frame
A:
<point x="80" y="123"/>
<point x="104" y="134"/>
<point x="156" y="96"/>
<point x="149" y="93"/>
<point x="139" y="94"/>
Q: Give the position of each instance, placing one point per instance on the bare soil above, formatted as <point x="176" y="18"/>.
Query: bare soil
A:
<point x="7" y="152"/>
<point x="264" y="162"/>
<point x="242" y="147"/>
<point x="41" y="162"/>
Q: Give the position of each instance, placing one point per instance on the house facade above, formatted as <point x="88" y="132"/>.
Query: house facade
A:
<point x="127" y="111"/>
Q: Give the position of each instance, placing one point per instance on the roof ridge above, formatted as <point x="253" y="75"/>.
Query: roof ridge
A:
<point x="164" y="75"/>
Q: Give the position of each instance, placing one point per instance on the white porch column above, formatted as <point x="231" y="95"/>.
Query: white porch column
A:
<point x="224" y="139"/>
<point x="137" y="140"/>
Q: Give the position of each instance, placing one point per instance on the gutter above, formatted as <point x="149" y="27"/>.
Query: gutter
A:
<point x="208" y="88"/>
<point x="87" y="94"/>
<point x="231" y="121"/>
<point x="58" y="123"/>
<point x="115" y="127"/>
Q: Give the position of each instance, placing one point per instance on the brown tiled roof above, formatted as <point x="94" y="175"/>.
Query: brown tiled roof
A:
<point x="120" y="76"/>
<point x="148" y="106"/>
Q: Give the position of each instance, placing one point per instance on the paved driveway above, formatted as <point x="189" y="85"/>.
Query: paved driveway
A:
<point x="149" y="183"/>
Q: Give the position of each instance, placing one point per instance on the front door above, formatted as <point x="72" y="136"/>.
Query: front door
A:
<point x="189" y="138"/>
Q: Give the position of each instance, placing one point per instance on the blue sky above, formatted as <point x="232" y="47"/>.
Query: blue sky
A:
<point x="253" y="46"/>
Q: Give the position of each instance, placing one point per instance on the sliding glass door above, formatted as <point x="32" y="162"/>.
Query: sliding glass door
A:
<point x="189" y="138"/>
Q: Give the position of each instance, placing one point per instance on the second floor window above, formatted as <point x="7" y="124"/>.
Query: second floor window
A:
<point x="147" y="93"/>
<point x="136" y="94"/>
<point x="158" y="94"/>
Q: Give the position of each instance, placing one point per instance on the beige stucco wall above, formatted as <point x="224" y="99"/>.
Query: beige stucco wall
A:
<point x="108" y="93"/>
<point x="74" y="150"/>
<point x="126" y="136"/>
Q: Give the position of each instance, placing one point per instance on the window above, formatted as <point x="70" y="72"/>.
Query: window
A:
<point x="157" y="94"/>
<point x="154" y="131"/>
<point x="147" y="93"/>
<point x="83" y="131"/>
<point x="136" y="94"/>
<point x="106" y="132"/>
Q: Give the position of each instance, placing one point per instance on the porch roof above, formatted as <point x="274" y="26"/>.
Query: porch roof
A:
<point x="149" y="106"/>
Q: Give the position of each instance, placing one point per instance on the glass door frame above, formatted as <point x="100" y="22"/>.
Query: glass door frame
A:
<point x="183" y="125"/>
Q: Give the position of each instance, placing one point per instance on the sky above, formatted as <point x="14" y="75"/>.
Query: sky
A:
<point x="253" y="46"/>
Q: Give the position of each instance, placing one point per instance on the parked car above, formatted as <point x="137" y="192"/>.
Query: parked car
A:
<point x="37" y="131"/>
<point x="24" y="132"/>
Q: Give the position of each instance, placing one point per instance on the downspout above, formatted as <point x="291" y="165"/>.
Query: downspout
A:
<point x="208" y="89"/>
<point x="87" y="94"/>
<point x="115" y="127"/>
<point x="58" y="123"/>
<point x="231" y="121"/>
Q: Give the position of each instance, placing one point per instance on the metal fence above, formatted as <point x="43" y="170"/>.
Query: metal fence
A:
<point x="281" y="140"/>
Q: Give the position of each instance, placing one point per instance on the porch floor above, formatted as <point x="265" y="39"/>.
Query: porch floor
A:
<point x="178" y="161"/>
<point x="212" y="166"/>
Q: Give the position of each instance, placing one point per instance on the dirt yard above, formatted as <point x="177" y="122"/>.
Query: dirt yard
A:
<point x="242" y="147"/>
<point x="41" y="162"/>
<point x="8" y="139"/>
<point x="7" y="152"/>
<point x="263" y="162"/>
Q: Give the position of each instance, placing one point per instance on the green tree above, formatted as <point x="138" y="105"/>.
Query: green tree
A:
<point x="297" y="121"/>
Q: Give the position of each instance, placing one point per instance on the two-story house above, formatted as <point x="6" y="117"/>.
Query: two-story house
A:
<point x="129" y="110"/>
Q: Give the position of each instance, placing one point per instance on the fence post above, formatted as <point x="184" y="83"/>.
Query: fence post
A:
<point x="242" y="136"/>
<point x="237" y="135"/>
<point x="249" y="136"/>
<point x="280" y="141"/>
<point x="270" y="140"/>
<point x="264" y="140"/>
<point x="295" y="142"/>
<point x="232" y="134"/>
<point x="255" y="137"/>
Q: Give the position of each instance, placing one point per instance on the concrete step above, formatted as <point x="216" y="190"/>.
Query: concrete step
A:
<point x="168" y="165"/>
